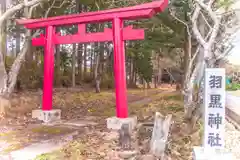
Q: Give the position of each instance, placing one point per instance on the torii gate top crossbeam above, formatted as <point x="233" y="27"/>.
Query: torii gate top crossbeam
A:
<point x="146" y="10"/>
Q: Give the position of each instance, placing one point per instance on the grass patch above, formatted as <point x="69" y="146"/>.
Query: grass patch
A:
<point x="175" y="108"/>
<point x="104" y="111"/>
<point x="10" y="137"/>
<point x="73" y="151"/>
<point x="140" y="90"/>
<point x="47" y="157"/>
<point x="50" y="130"/>
<point x="175" y="96"/>
<point x="7" y="134"/>
<point x="12" y="147"/>
<point x="97" y="96"/>
<point x="82" y="98"/>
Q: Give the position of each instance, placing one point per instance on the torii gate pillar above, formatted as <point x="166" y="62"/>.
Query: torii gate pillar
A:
<point x="119" y="69"/>
<point x="48" y="69"/>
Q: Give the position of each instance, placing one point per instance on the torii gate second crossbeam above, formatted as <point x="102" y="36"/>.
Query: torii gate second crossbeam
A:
<point x="118" y="34"/>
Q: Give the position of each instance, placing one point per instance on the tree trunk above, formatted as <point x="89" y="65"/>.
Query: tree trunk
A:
<point x="155" y="81"/>
<point x="85" y="61"/>
<point x="148" y="85"/>
<point x="80" y="73"/>
<point x="79" y="9"/>
<point x="101" y="52"/>
<point x="97" y="75"/>
<point x="109" y="62"/>
<point x="30" y="53"/>
<point x="3" y="48"/>
<point x="191" y="105"/>
<point x="127" y="63"/>
<point x="74" y="65"/>
<point x="187" y="58"/>
<point x="91" y="62"/>
<point x="145" y="86"/>
<point x="159" y="76"/>
<point x="8" y="81"/>
<point x="18" y="40"/>
<point x="16" y="66"/>
<point x="3" y="73"/>
<point x="135" y="77"/>
<point x="131" y="72"/>
<point x="58" y="67"/>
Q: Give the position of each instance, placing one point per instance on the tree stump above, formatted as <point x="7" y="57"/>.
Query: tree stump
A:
<point x="160" y="134"/>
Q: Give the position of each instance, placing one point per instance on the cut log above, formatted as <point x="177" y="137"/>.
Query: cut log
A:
<point x="160" y="135"/>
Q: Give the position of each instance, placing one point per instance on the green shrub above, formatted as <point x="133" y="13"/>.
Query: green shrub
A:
<point x="233" y="87"/>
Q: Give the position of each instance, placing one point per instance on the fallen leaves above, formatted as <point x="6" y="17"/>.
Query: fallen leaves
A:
<point x="180" y="143"/>
<point x="52" y="130"/>
<point x="98" y="143"/>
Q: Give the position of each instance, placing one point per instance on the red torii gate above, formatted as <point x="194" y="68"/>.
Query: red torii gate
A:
<point x="118" y="34"/>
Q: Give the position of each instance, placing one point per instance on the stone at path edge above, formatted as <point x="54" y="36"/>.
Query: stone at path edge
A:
<point x="115" y="123"/>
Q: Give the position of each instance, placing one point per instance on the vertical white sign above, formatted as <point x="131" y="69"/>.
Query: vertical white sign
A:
<point x="214" y="108"/>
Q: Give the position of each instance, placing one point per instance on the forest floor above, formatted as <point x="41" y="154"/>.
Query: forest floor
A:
<point x="89" y="138"/>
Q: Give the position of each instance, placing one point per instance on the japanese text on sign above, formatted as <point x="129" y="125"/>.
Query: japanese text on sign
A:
<point x="214" y="105"/>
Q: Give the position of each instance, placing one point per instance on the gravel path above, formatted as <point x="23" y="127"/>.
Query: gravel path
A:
<point x="232" y="135"/>
<point x="232" y="140"/>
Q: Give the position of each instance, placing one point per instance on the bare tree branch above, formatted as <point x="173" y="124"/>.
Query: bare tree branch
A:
<point x="195" y="27"/>
<point x="204" y="50"/>
<point x="13" y="73"/>
<point x="205" y="20"/>
<point x="188" y="31"/>
<point x="16" y="8"/>
<point x="37" y="33"/>
<point x="7" y="14"/>
<point x="216" y="20"/>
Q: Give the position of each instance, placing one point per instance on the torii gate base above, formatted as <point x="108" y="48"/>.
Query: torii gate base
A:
<point x="118" y="34"/>
<point x="47" y="116"/>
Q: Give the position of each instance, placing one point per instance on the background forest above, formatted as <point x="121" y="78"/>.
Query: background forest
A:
<point x="159" y="57"/>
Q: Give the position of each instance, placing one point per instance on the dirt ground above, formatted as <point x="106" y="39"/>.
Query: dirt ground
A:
<point x="95" y="142"/>
<point x="235" y="93"/>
